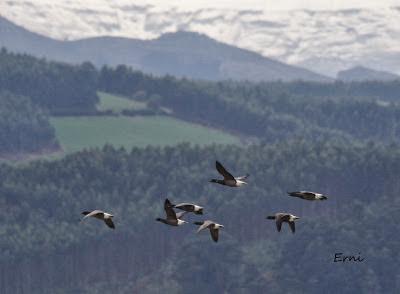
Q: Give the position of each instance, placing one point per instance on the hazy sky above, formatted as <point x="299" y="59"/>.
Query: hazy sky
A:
<point x="276" y="4"/>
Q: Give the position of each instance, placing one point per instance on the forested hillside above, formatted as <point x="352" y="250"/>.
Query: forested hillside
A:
<point x="24" y="127"/>
<point x="256" y="112"/>
<point x="57" y="87"/>
<point x="341" y="139"/>
<point x="271" y="111"/>
<point x="45" y="249"/>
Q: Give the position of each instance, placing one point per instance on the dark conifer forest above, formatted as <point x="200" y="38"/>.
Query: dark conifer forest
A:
<point x="341" y="139"/>
<point x="24" y="127"/>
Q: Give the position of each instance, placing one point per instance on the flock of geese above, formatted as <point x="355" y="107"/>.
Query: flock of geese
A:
<point x="174" y="218"/>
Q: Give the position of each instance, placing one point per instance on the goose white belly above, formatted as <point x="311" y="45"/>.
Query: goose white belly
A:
<point x="180" y="222"/>
<point x="240" y="183"/>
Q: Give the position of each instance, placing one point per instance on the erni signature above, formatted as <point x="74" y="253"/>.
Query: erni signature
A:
<point x="340" y="257"/>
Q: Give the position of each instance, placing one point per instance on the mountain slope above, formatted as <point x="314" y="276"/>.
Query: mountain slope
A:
<point x="18" y="39"/>
<point x="323" y="41"/>
<point x="360" y="73"/>
<point x="180" y="54"/>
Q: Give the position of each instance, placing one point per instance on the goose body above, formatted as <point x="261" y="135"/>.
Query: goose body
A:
<point x="228" y="180"/>
<point x="172" y="219"/>
<point x="101" y="215"/>
<point x="307" y="195"/>
<point x="212" y="226"/>
<point x="281" y="217"/>
<point x="189" y="207"/>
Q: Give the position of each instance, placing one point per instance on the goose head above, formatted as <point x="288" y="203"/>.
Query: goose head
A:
<point x="199" y="211"/>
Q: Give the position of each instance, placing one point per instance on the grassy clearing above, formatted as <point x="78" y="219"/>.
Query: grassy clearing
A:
<point x="117" y="103"/>
<point x="76" y="133"/>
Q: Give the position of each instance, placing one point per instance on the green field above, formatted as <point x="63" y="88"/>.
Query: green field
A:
<point x="76" y="133"/>
<point x="118" y="103"/>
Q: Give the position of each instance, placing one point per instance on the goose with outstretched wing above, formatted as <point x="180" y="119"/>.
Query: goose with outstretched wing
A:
<point x="101" y="215"/>
<point x="173" y="218"/>
<point x="228" y="180"/>
<point x="212" y="226"/>
<point x="307" y="195"/>
<point x="282" y="217"/>
<point x="189" y="207"/>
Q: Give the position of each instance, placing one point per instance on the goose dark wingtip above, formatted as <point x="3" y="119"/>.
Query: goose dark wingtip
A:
<point x="168" y="203"/>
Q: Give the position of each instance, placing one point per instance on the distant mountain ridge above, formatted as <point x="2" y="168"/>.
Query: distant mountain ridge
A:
<point x="360" y="73"/>
<point x="324" y="41"/>
<point x="181" y="54"/>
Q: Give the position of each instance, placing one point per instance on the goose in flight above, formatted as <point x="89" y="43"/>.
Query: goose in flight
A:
<point x="307" y="195"/>
<point x="189" y="207"/>
<point x="173" y="219"/>
<point x="228" y="180"/>
<point x="284" y="217"/>
<point x="99" y="214"/>
<point x="214" y="228"/>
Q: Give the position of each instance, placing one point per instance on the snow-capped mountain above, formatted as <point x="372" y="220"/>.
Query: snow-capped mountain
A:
<point x="323" y="41"/>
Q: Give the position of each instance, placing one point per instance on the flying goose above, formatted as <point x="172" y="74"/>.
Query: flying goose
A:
<point x="189" y="207"/>
<point x="173" y="219"/>
<point x="214" y="228"/>
<point x="228" y="180"/>
<point x="307" y="195"/>
<point x="284" y="217"/>
<point x="99" y="214"/>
